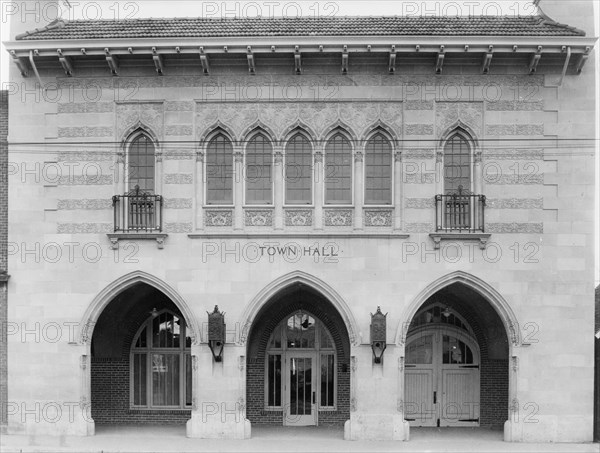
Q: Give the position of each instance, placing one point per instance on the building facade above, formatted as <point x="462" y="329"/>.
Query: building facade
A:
<point x="370" y="222"/>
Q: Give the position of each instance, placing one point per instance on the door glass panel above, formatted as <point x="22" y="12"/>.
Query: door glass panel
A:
<point x="165" y="379"/>
<point x="274" y="381"/>
<point x="455" y="351"/>
<point x="188" y="379"/>
<point x="327" y="375"/>
<point x="301" y="331"/>
<point x="139" y="379"/>
<point x="420" y="351"/>
<point x="167" y="330"/>
<point x="300" y="385"/>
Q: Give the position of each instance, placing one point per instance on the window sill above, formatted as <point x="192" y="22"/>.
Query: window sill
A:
<point x="115" y="237"/>
<point x="441" y="236"/>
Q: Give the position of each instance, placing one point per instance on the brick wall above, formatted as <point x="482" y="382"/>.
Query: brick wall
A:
<point x="3" y="258"/>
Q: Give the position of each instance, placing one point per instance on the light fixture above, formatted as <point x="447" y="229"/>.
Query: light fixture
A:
<point x="378" y="334"/>
<point x="216" y="333"/>
<point x="154" y="312"/>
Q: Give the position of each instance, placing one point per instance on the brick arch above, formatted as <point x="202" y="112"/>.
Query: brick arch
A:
<point x="285" y="302"/>
<point x="105" y="297"/>
<point x="488" y="292"/>
<point x="298" y="277"/>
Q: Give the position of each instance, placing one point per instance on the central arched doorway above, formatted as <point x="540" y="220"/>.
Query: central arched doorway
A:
<point x="442" y="370"/>
<point x="298" y="370"/>
<point x="457" y="358"/>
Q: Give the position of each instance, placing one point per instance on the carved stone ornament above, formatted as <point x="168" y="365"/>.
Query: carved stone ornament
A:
<point x="298" y="217"/>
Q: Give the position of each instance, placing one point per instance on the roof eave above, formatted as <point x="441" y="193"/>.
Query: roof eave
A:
<point x="259" y="44"/>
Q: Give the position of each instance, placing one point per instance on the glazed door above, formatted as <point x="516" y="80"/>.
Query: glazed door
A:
<point x="300" y="389"/>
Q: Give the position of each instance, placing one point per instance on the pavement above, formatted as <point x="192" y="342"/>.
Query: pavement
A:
<point x="152" y="439"/>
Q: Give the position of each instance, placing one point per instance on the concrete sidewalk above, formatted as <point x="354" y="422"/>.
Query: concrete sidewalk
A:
<point x="146" y="439"/>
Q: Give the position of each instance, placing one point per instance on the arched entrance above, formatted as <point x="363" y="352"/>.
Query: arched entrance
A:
<point x="138" y="362"/>
<point x="298" y="357"/>
<point x="467" y="331"/>
<point x="442" y="370"/>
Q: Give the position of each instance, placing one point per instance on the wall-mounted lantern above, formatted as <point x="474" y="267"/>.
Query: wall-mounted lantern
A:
<point x="378" y="334"/>
<point x="216" y="333"/>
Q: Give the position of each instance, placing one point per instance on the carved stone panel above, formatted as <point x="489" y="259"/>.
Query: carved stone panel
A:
<point x="255" y="217"/>
<point x="338" y="217"/>
<point x="148" y="114"/>
<point x="218" y="218"/>
<point x="298" y="217"/>
<point x="449" y="114"/>
<point x="378" y="217"/>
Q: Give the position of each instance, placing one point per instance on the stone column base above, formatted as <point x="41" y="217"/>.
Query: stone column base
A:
<point x="217" y="428"/>
<point x="363" y="426"/>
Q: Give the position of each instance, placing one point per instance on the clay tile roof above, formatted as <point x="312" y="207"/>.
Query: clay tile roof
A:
<point x="303" y="26"/>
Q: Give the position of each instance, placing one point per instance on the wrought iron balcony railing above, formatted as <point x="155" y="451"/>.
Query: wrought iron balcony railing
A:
<point x="461" y="212"/>
<point x="137" y="211"/>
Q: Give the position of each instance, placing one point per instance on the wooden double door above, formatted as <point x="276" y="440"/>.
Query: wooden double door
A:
<point x="441" y="380"/>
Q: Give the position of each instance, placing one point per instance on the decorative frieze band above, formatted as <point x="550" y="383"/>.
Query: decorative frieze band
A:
<point x="92" y="180"/>
<point x="86" y="131"/>
<point x="179" y="129"/>
<point x="534" y="179"/>
<point x="83" y="156"/>
<point x="263" y="217"/>
<point x="298" y="217"/>
<point x="86" y="107"/>
<point x="85" y="204"/>
<point x="419" y="203"/>
<point x="419" y="178"/>
<point x="75" y="228"/>
<point x="178" y="203"/>
<point x="418" y="105"/>
<point x="515" y="106"/>
<point x="415" y="154"/>
<point x="178" y="227"/>
<point x="527" y="228"/>
<point x="423" y="227"/>
<point x="515" y="203"/>
<point x="513" y="154"/>
<point x="418" y="129"/>
<point x="179" y="178"/>
<point x="514" y="129"/>
<point x="338" y="217"/>
<point x="179" y="106"/>
<point x="218" y="218"/>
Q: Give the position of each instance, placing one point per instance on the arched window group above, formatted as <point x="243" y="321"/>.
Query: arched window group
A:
<point x="299" y="176"/>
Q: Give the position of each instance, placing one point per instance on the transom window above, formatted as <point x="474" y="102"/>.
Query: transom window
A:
<point x="141" y="163"/>
<point x="378" y="170"/>
<point x="219" y="171"/>
<point x="338" y="170"/>
<point x="258" y="177"/>
<point x="300" y="332"/>
<point x="439" y="314"/>
<point x="161" y="364"/>
<point x="298" y="171"/>
<point x="457" y="164"/>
